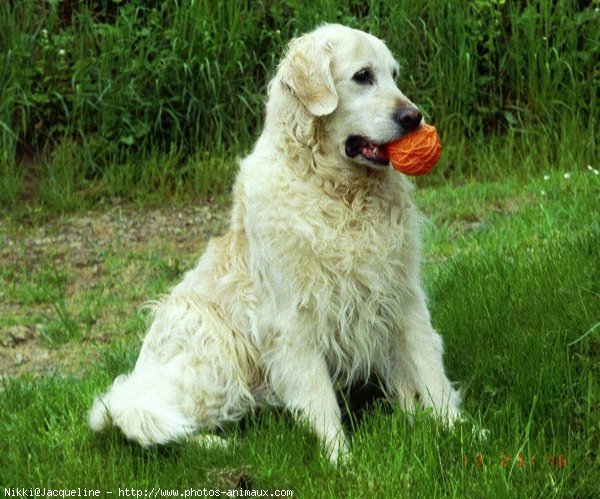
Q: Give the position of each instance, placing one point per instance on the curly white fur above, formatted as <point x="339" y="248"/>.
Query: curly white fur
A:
<point x="317" y="282"/>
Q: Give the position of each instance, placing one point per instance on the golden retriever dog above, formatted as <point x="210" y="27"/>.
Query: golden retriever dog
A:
<point x="316" y="284"/>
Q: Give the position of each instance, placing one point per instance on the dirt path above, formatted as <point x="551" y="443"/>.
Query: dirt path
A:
<point x="78" y="244"/>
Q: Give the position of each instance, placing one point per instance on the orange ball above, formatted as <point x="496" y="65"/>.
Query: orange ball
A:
<point x="416" y="153"/>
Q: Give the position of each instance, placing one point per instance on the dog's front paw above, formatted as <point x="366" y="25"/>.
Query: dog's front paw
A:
<point x="338" y="450"/>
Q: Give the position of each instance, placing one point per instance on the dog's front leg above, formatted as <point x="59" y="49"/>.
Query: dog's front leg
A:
<point x="417" y="368"/>
<point x="300" y="379"/>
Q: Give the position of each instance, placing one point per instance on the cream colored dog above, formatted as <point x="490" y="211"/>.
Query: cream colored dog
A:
<point x="316" y="283"/>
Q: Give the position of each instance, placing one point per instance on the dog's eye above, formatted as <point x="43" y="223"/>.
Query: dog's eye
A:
<point x="364" y="77"/>
<point x="395" y="74"/>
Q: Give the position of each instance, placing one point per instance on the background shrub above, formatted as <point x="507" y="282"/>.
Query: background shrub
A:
<point x="129" y="79"/>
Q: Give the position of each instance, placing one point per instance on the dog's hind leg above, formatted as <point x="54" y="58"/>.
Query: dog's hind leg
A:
<point x="191" y="374"/>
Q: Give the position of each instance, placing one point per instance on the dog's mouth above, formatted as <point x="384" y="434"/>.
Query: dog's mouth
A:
<point x="357" y="146"/>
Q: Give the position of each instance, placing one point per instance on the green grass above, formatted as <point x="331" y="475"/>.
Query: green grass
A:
<point x="513" y="278"/>
<point x="142" y="103"/>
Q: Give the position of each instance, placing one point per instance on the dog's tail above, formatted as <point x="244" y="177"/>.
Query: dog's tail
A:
<point x="143" y="413"/>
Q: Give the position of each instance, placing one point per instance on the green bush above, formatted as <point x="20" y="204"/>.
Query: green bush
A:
<point x="127" y="79"/>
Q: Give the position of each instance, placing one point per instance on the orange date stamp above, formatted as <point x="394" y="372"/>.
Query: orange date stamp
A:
<point x="520" y="460"/>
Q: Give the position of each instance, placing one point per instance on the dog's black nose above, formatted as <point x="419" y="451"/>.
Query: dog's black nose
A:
<point x="408" y="118"/>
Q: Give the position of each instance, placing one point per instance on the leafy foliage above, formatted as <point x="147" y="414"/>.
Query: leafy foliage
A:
<point x="129" y="80"/>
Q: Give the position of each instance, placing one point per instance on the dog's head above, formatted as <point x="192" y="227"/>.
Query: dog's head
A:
<point x="346" y="79"/>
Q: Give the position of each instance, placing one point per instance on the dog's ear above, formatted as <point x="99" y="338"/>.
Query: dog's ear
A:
<point x="306" y="71"/>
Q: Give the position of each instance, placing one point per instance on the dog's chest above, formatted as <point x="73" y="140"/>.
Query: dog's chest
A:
<point x="359" y="271"/>
<point x="362" y="248"/>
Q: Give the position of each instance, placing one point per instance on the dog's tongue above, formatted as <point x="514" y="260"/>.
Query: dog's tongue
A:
<point x="375" y="151"/>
